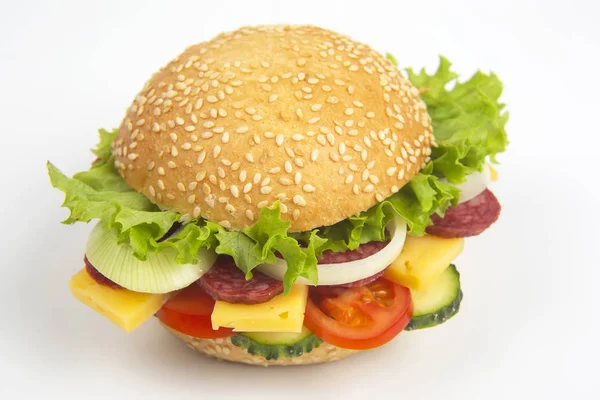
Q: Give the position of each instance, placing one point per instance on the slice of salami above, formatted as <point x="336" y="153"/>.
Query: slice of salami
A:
<point x="363" y="251"/>
<point x="98" y="277"/>
<point x="226" y="282"/>
<point x="467" y="219"/>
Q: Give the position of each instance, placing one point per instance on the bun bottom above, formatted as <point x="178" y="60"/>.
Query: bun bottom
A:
<point x="223" y="349"/>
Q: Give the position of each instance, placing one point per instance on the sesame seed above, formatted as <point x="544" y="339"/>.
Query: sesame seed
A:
<point x="152" y="191"/>
<point x="288" y="167"/>
<point x="242" y="129"/>
<point x="296" y="214"/>
<point x="349" y="179"/>
<point x="200" y="176"/>
<point x="132" y="156"/>
<point x="230" y="209"/>
<point x="262" y="204"/>
<point x="161" y="184"/>
<point x="297" y="137"/>
<point x="206" y="188"/>
<point x="216" y="151"/>
<point x="334" y="156"/>
<point x="265" y="181"/>
<point x="299" y="200"/>
<point x="192" y="185"/>
<point x="198" y="104"/>
<point x="314" y="155"/>
<point x="308" y="188"/>
<point x="272" y="98"/>
<point x="257" y="177"/>
<point x="290" y="152"/>
<point x="297" y="178"/>
<point x="374" y="179"/>
<point x="369" y="188"/>
<point x="274" y="170"/>
<point x="314" y="120"/>
<point x="247" y="187"/>
<point x="249" y="215"/>
<point x="201" y="157"/>
<point x="401" y="174"/>
<point x="279" y="139"/>
<point x="249" y="157"/>
<point x="196" y="212"/>
<point x="331" y="139"/>
<point x="316" y="107"/>
<point x="349" y="111"/>
<point x="151" y="165"/>
<point x="355" y="189"/>
<point x="266" y="189"/>
<point x="171" y="165"/>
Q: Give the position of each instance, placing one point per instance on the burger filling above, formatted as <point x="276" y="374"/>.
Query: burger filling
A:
<point x="356" y="284"/>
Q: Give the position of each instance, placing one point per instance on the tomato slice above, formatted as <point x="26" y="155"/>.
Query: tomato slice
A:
<point x="189" y="312"/>
<point x="361" y="317"/>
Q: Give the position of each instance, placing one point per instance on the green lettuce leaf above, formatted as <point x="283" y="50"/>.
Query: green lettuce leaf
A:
<point x="468" y="123"/>
<point x="468" y="119"/>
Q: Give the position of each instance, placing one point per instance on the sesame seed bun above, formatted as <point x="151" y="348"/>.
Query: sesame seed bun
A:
<point x="299" y="114"/>
<point x="223" y="349"/>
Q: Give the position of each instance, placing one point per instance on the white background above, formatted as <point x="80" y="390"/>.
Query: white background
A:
<point x="528" y="327"/>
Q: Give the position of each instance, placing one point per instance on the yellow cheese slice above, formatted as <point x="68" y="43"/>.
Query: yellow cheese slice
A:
<point x="123" y="307"/>
<point x="280" y="314"/>
<point x="493" y="174"/>
<point x="422" y="260"/>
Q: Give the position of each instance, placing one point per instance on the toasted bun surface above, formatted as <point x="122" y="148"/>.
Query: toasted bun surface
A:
<point x="225" y="350"/>
<point x="298" y="114"/>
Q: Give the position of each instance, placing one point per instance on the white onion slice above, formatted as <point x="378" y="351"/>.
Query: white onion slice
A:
<point x="158" y="274"/>
<point x="352" y="271"/>
<point x="474" y="185"/>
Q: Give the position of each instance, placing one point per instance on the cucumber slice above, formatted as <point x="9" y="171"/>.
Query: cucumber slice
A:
<point x="158" y="274"/>
<point x="439" y="303"/>
<point x="288" y="338"/>
<point x="272" y="345"/>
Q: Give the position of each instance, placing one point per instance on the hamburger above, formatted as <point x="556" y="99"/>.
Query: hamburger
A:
<point x="285" y="195"/>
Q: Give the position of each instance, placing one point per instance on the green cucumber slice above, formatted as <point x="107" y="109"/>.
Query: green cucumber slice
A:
<point x="440" y="303"/>
<point x="158" y="274"/>
<point x="273" y="345"/>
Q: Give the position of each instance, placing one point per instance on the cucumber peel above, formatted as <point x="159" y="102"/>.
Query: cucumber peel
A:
<point x="272" y="346"/>
<point x="439" y="303"/>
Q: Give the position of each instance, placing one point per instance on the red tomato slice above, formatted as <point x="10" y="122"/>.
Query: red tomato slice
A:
<point x="361" y="317"/>
<point x="189" y="312"/>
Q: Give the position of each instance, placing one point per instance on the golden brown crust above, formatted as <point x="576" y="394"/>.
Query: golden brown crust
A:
<point x="298" y="114"/>
<point x="223" y="349"/>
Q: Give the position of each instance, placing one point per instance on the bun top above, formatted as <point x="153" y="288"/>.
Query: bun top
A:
<point x="298" y="114"/>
